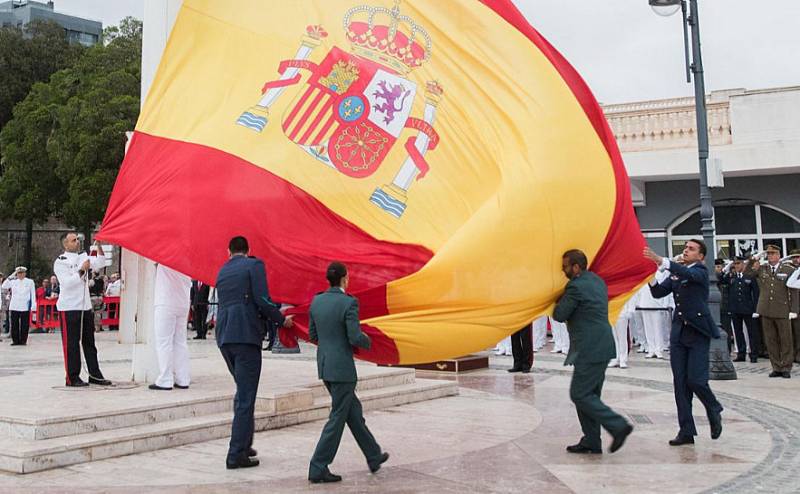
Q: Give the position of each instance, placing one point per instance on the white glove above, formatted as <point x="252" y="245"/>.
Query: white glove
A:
<point x="755" y="315"/>
<point x="792" y="315"/>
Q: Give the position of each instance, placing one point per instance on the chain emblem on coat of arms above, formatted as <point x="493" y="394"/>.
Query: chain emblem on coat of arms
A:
<point x="355" y="104"/>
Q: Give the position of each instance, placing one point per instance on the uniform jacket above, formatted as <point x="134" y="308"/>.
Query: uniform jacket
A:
<point x="244" y="302"/>
<point x="742" y="292"/>
<point x="334" y="326"/>
<point x="73" y="289"/>
<point x="584" y="307"/>
<point x="689" y="287"/>
<point x="23" y="294"/>
<point x="775" y="299"/>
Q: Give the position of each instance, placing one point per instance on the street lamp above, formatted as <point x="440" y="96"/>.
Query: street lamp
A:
<point x="721" y="365"/>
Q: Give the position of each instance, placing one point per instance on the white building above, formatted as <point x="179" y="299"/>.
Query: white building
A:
<point x="755" y="146"/>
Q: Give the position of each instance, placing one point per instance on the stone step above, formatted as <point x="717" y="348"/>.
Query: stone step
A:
<point x="28" y="455"/>
<point x="388" y="377"/>
<point x="272" y="400"/>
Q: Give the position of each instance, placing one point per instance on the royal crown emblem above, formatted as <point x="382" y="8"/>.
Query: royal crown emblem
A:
<point x="355" y="104"/>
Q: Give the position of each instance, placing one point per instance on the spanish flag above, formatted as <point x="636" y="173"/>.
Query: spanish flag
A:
<point x="443" y="150"/>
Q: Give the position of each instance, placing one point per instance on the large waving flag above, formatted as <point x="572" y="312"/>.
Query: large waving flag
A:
<point x="443" y="150"/>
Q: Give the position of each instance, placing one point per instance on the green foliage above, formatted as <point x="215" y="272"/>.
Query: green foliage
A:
<point x="30" y="56"/>
<point x="63" y="148"/>
<point x="102" y="103"/>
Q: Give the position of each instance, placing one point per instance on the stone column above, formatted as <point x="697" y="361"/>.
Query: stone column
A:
<point x="138" y="273"/>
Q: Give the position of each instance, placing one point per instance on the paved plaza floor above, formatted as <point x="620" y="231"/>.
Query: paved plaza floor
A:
<point x="503" y="433"/>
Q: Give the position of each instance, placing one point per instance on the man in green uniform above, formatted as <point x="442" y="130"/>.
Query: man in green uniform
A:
<point x="584" y="307"/>
<point x="335" y="328"/>
<point x="777" y="307"/>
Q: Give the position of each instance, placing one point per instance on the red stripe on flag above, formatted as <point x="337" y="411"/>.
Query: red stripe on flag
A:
<point x="619" y="261"/>
<point x="318" y="138"/>
<point x="179" y="204"/>
<point x="322" y="113"/>
<point x="288" y="122"/>
<point x="306" y="114"/>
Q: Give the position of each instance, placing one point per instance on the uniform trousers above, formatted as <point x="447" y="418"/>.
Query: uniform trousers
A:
<point x="539" y="333"/>
<point x="584" y="391"/>
<point x="656" y="328"/>
<point x="637" y="330"/>
<point x="20" y="321"/>
<point x="522" y="348"/>
<point x="345" y="409"/>
<point x="621" y="339"/>
<point x="171" y="348"/>
<point x="689" y="362"/>
<point x="560" y="336"/>
<point x="244" y="364"/>
<point x="199" y="324"/>
<point x="778" y="337"/>
<point x="74" y="336"/>
<point x="739" y="321"/>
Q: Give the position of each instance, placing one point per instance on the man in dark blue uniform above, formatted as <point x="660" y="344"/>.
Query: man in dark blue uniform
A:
<point x="244" y="304"/>
<point x="692" y="330"/>
<point x="742" y="290"/>
<point x="334" y="326"/>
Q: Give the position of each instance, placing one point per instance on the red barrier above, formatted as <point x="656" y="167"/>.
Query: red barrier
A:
<point x="110" y="311"/>
<point x="46" y="316"/>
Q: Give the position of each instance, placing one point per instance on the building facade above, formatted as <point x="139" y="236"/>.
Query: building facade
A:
<point x="19" y="13"/>
<point x="754" y="152"/>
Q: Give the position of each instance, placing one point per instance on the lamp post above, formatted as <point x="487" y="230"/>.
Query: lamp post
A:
<point x="719" y="355"/>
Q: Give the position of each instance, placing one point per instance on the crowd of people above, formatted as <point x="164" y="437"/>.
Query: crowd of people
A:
<point x="22" y="310"/>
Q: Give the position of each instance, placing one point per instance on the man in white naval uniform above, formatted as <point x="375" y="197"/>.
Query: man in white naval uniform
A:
<point x="72" y="268"/>
<point x="170" y="320"/>
<point x="23" y="301"/>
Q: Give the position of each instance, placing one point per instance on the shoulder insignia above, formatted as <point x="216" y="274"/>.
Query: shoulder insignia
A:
<point x="62" y="258"/>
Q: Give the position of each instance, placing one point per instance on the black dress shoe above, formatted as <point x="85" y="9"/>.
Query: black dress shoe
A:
<point x="526" y="370"/>
<point x="244" y="461"/>
<point x="182" y="387"/>
<point x="156" y="387"/>
<point x="753" y="360"/>
<point x="740" y="358"/>
<point x="581" y="449"/>
<point x="199" y="338"/>
<point x="99" y="382"/>
<point x="715" y="421"/>
<point x="681" y="440"/>
<point x="77" y="384"/>
<point x="786" y="375"/>
<point x="515" y="369"/>
<point x="776" y="374"/>
<point x="619" y="439"/>
<point x="252" y="452"/>
<point x="325" y="478"/>
<point x="374" y="467"/>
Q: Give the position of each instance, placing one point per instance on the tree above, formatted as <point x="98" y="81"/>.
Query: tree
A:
<point x="30" y="190"/>
<point x="102" y="103"/>
<point x="29" y="56"/>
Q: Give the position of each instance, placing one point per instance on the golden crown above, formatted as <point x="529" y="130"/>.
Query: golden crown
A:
<point x="394" y="43"/>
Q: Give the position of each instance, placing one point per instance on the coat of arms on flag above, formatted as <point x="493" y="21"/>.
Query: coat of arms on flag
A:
<point x="355" y="105"/>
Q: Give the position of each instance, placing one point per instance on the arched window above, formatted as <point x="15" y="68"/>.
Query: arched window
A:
<point x="739" y="229"/>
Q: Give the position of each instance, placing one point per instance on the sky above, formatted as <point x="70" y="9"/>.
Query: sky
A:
<point x="624" y="50"/>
